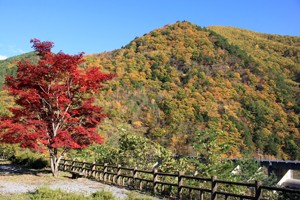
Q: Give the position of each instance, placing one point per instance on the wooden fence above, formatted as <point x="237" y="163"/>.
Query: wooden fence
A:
<point x="174" y="186"/>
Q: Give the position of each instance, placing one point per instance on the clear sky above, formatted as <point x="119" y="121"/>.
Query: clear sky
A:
<point x="94" y="26"/>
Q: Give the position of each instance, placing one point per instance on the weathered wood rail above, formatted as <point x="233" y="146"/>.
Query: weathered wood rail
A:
<point x="176" y="186"/>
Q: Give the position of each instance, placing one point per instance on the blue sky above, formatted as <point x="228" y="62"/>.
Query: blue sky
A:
<point x="94" y="26"/>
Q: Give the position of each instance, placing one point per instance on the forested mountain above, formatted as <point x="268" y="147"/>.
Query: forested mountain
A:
<point x="181" y="85"/>
<point x="278" y="57"/>
<point x="9" y="67"/>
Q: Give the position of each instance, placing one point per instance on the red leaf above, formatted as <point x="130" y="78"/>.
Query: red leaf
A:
<point x="53" y="93"/>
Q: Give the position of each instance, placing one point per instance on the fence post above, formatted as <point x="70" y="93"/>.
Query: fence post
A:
<point x="154" y="181"/>
<point x="83" y="167"/>
<point x="180" y="184"/>
<point x="93" y="167"/>
<point x="214" y="187"/>
<point x="104" y="172"/>
<point x="135" y="173"/>
<point x="118" y="175"/>
<point x="65" y="166"/>
<point x="73" y="165"/>
<point x="258" y="195"/>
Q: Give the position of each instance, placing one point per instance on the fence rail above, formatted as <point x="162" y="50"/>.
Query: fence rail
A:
<point x="177" y="185"/>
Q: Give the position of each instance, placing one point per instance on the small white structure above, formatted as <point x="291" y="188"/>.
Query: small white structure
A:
<point x="237" y="170"/>
<point x="290" y="180"/>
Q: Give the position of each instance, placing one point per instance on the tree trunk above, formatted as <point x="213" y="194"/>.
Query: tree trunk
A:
<point x="54" y="161"/>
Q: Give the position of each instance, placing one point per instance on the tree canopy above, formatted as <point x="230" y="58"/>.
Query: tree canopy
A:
<point x="55" y="103"/>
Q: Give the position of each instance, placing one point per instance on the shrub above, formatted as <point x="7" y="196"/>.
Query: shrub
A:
<point x="30" y="159"/>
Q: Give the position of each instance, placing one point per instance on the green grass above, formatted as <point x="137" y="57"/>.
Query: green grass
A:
<point x="45" y="193"/>
<point x="136" y="196"/>
<point x="48" y="194"/>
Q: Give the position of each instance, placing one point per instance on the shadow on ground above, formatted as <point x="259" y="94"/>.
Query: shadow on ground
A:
<point x="7" y="168"/>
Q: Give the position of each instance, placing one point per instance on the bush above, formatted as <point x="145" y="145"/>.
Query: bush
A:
<point x="30" y="159"/>
<point x="7" y="151"/>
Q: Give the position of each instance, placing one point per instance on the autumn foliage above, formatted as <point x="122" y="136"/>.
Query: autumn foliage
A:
<point x="55" y="101"/>
<point x="181" y="84"/>
<point x="181" y="79"/>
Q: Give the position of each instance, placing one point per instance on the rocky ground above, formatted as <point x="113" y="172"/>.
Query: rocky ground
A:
<point x="16" y="179"/>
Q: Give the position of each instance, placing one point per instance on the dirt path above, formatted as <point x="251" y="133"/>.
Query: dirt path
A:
<point x="15" y="179"/>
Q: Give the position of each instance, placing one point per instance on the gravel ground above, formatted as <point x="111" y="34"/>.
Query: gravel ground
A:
<point x="15" y="179"/>
<point x="82" y="185"/>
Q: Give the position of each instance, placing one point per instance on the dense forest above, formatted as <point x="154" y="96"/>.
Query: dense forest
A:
<point x="195" y="90"/>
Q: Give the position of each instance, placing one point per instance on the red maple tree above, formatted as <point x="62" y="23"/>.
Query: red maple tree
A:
<point x="55" y="104"/>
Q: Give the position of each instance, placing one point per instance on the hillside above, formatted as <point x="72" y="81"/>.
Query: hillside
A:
<point x="8" y="67"/>
<point x="182" y="80"/>
<point x="181" y="85"/>
<point x="278" y="57"/>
